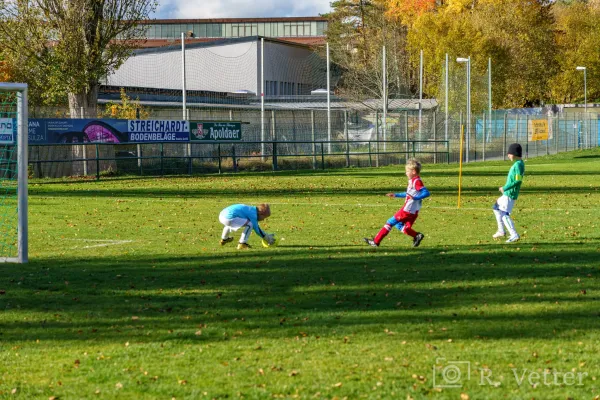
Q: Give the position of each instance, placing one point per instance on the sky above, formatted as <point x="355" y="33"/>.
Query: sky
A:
<point x="193" y="9"/>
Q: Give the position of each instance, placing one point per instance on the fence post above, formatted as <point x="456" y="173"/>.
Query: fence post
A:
<point x="39" y="164"/>
<point x="219" y="154"/>
<point x="556" y="133"/>
<point x="235" y="166"/>
<point x="526" y="137"/>
<point x="85" y="163"/>
<point x="97" y="162"/>
<point x="322" y="156"/>
<point x="566" y="124"/>
<point x="517" y="117"/>
<point x="377" y="137"/>
<point x="162" y="152"/>
<point x="406" y="135"/>
<point x="484" y="125"/>
<point x="139" y="155"/>
<point x="273" y="126"/>
<point x="370" y="159"/>
<point x="314" y="144"/>
<point x="347" y="138"/>
<point x="551" y="128"/>
<point x="190" y="160"/>
<point x="435" y="137"/>
<point x="460" y="126"/>
<point x="505" y="134"/>
<point x="274" y="155"/>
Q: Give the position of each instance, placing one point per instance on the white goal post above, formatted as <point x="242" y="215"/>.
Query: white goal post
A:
<point x="14" y="171"/>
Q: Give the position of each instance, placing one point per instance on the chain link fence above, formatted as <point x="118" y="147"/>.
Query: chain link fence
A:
<point x="298" y="138"/>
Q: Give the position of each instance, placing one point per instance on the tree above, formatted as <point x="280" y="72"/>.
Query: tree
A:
<point x="407" y="10"/>
<point x="517" y="35"/>
<point x="357" y="32"/>
<point x="522" y="46"/>
<point x="126" y="109"/>
<point x="73" y="44"/>
<point x="577" y="37"/>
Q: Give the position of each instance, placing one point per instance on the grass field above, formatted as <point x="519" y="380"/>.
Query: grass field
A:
<point x="129" y="295"/>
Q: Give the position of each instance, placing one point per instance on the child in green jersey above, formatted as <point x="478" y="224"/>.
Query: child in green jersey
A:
<point x="510" y="192"/>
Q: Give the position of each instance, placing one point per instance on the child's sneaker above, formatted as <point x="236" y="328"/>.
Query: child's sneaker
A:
<point x="371" y="242"/>
<point x="417" y="239"/>
<point x="498" y="235"/>
<point x="243" y="246"/>
<point x="223" y="242"/>
<point x="513" y="238"/>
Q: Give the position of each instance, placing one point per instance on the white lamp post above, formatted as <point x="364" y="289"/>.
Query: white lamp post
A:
<point x="584" y="69"/>
<point x="468" y="62"/>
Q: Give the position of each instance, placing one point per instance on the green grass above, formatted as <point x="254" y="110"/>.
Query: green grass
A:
<point x="128" y="294"/>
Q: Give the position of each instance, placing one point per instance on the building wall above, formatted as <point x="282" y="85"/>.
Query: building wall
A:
<point x="292" y="70"/>
<point x="232" y="67"/>
<point x="223" y="68"/>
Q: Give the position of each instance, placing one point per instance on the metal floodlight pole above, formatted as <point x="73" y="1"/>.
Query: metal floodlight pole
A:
<point x="384" y="99"/>
<point x="420" y="94"/>
<point x="469" y="109"/>
<point x="490" y="96"/>
<point x="328" y="104"/>
<point x="446" y="100"/>
<point x="468" y="61"/>
<point x="183" y="91"/>
<point x="262" y="98"/>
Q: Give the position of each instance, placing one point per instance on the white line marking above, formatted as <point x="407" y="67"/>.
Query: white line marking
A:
<point x="108" y="242"/>
<point x="433" y="207"/>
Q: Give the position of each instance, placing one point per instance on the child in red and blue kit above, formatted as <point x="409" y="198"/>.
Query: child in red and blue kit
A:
<point x="404" y="219"/>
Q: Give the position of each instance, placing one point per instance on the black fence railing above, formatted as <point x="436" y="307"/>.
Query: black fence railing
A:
<point x="159" y="159"/>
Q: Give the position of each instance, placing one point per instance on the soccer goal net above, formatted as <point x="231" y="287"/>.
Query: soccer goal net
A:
<point x="13" y="172"/>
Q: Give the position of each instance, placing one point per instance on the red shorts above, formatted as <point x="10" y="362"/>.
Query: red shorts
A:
<point x="406" y="218"/>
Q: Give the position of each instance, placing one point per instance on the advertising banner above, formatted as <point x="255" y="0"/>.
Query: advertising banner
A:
<point x="538" y="129"/>
<point x="52" y="131"/>
<point x="216" y="131"/>
<point x="8" y="130"/>
<point x="140" y="131"/>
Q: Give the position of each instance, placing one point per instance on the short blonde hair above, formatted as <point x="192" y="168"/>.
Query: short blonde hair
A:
<point x="264" y="210"/>
<point x="414" y="165"/>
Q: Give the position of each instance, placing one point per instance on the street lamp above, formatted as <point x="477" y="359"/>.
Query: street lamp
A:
<point x="468" y="62"/>
<point x="584" y="69"/>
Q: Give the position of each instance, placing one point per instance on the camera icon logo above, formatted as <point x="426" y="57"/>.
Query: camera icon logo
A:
<point x="450" y="374"/>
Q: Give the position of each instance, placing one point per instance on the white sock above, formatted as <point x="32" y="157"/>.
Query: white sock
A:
<point x="509" y="225"/>
<point x="225" y="233"/>
<point x="498" y="215"/>
<point x="246" y="233"/>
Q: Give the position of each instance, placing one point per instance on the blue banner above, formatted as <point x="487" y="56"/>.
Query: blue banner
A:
<point x="51" y="131"/>
<point x="8" y="130"/>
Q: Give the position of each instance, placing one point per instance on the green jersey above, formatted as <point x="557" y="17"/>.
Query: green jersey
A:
<point x="514" y="179"/>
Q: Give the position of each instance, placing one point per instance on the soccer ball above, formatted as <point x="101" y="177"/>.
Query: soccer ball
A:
<point x="269" y="240"/>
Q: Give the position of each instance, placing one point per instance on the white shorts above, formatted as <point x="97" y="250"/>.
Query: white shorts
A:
<point x="234" y="223"/>
<point x="505" y="204"/>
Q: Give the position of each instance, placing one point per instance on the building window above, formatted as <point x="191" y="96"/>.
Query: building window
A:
<point x="201" y="30"/>
<point x="321" y="27"/>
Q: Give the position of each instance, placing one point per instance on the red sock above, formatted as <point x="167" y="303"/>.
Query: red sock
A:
<point x="410" y="232"/>
<point x="382" y="233"/>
